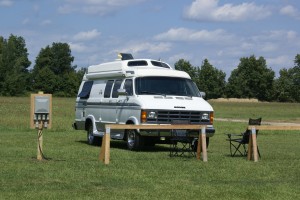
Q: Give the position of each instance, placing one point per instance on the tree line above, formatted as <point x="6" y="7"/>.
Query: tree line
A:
<point x="54" y="73"/>
<point x="251" y="79"/>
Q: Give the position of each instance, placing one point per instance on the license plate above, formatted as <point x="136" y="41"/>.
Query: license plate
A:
<point x="180" y="132"/>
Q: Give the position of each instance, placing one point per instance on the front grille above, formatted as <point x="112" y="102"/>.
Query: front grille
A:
<point x="170" y="117"/>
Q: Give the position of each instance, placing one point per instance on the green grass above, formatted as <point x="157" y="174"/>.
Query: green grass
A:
<point x="74" y="172"/>
<point x="280" y="112"/>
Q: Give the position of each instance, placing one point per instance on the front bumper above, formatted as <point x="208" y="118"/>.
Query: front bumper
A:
<point x="209" y="131"/>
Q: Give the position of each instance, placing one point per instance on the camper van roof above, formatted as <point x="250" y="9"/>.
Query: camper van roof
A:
<point x="133" y="63"/>
<point x="132" y="67"/>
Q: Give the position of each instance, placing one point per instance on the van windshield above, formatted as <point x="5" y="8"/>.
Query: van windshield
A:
<point x="166" y="86"/>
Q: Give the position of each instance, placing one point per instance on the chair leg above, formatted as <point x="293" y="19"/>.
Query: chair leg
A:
<point x="173" y="148"/>
<point x="178" y="148"/>
<point x="237" y="150"/>
<point x="233" y="150"/>
<point x="245" y="150"/>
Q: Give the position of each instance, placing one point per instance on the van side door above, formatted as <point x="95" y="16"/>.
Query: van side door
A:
<point x="107" y="104"/>
<point x="125" y="107"/>
<point x="81" y="104"/>
<point x="116" y="99"/>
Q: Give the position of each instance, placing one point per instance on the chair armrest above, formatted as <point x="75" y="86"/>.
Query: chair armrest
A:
<point x="229" y="135"/>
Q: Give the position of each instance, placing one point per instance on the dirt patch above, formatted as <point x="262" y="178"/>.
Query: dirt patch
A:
<point x="234" y="100"/>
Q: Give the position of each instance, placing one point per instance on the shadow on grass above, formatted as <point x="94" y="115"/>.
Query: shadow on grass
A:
<point x="122" y="145"/>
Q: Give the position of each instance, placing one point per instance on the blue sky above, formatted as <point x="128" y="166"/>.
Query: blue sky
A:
<point x="222" y="31"/>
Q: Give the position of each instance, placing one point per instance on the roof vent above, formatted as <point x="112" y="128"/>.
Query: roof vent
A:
<point x="125" y="56"/>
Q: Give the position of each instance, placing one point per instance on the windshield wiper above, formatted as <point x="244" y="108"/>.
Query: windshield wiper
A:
<point x="148" y="92"/>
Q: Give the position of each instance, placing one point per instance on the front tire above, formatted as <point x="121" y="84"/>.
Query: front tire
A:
<point x="91" y="139"/>
<point x="134" y="140"/>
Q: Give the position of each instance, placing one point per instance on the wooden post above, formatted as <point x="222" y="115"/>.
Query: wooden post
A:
<point x="203" y="138"/>
<point x="250" y="153"/>
<point x="105" y="148"/>
<point x="199" y="146"/>
<point x="40" y="141"/>
<point x="254" y="144"/>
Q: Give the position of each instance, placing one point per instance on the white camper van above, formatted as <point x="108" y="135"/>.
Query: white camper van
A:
<point x="138" y="91"/>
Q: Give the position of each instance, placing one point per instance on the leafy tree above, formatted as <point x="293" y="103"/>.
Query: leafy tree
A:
<point x="186" y="66"/>
<point x="283" y="86"/>
<point x="56" y="61"/>
<point x="14" y="78"/>
<point x="287" y="86"/>
<point x="2" y="69"/>
<point x="61" y="59"/>
<point x="251" y="79"/>
<point x="208" y="79"/>
<point x="211" y="80"/>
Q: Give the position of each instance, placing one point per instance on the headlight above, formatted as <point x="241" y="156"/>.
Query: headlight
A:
<point x="152" y="115"/>
<point x="148" y="115"/>
<point x="205" y="117"/>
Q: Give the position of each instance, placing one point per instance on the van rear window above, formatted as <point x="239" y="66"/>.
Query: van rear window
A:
<point x="160" y="64"/>
<point x="137" y="63"/>
<point x="128" y="87"/>
<point x="107" y="89"/>
<point x="117" y="86"/>
<point x="86" y="90"/>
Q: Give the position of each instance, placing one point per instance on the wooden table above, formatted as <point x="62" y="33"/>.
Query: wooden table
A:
<point x="105" y="148"/>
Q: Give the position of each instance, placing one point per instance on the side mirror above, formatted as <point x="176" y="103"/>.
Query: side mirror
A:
<point x="122" y="92"/>
<point x="203" y="94"/>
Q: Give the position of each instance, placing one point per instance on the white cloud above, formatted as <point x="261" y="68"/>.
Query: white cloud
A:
<point x="190" y="35"/>
<point x="46" y="22"/>
<point x="25" y="21"/>
<point x="150" y="47"/>
<point x="290" y="11"/>
<point x="209" y="10"/>
<point x="78" y="47"/>
<point x="6" y="3"/>
<point x="99" y="7"/>
<point x="281" y="60"/>
<point x="88" y="35"/>
<point x="176" y="57"/>
<point x="66" y="9"/>
<point x="277" y="36"/>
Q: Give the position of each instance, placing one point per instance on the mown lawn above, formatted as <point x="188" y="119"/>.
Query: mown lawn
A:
<point x="74" y="172"/>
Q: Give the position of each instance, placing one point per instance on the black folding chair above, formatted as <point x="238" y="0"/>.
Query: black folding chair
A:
<point x="238" y="142"/>
<point x="181" y="144"/>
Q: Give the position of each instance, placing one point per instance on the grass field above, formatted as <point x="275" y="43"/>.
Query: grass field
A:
<point x="74" y="172"/>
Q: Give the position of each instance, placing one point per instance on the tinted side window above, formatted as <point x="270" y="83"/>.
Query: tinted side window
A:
<point x="159" y="64"/>
<point x="117" y="86"/>
<point x="107" y="89"/>
<point x="137" y="63"/>
<point x="86" y="90"/>
<point x="128" y="87"/>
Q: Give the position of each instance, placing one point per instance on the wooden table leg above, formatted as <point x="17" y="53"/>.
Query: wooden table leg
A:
<point x="105" y="147"/>
<point x="204" y="150"/>
<point x="199" y="147"/>
<point x="254" y="145"/>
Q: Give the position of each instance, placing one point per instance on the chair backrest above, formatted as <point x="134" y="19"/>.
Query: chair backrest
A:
<point x="247" y="133"/>
<point x="254" y="121"/>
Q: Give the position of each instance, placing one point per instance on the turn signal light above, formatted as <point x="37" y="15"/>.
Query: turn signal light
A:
<point x="143" y="116"/>
<point x="211" y="118"/>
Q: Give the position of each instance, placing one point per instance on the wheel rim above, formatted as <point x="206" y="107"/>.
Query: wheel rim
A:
<point x="90" y="136"/>
<point x="131" y="138"/>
